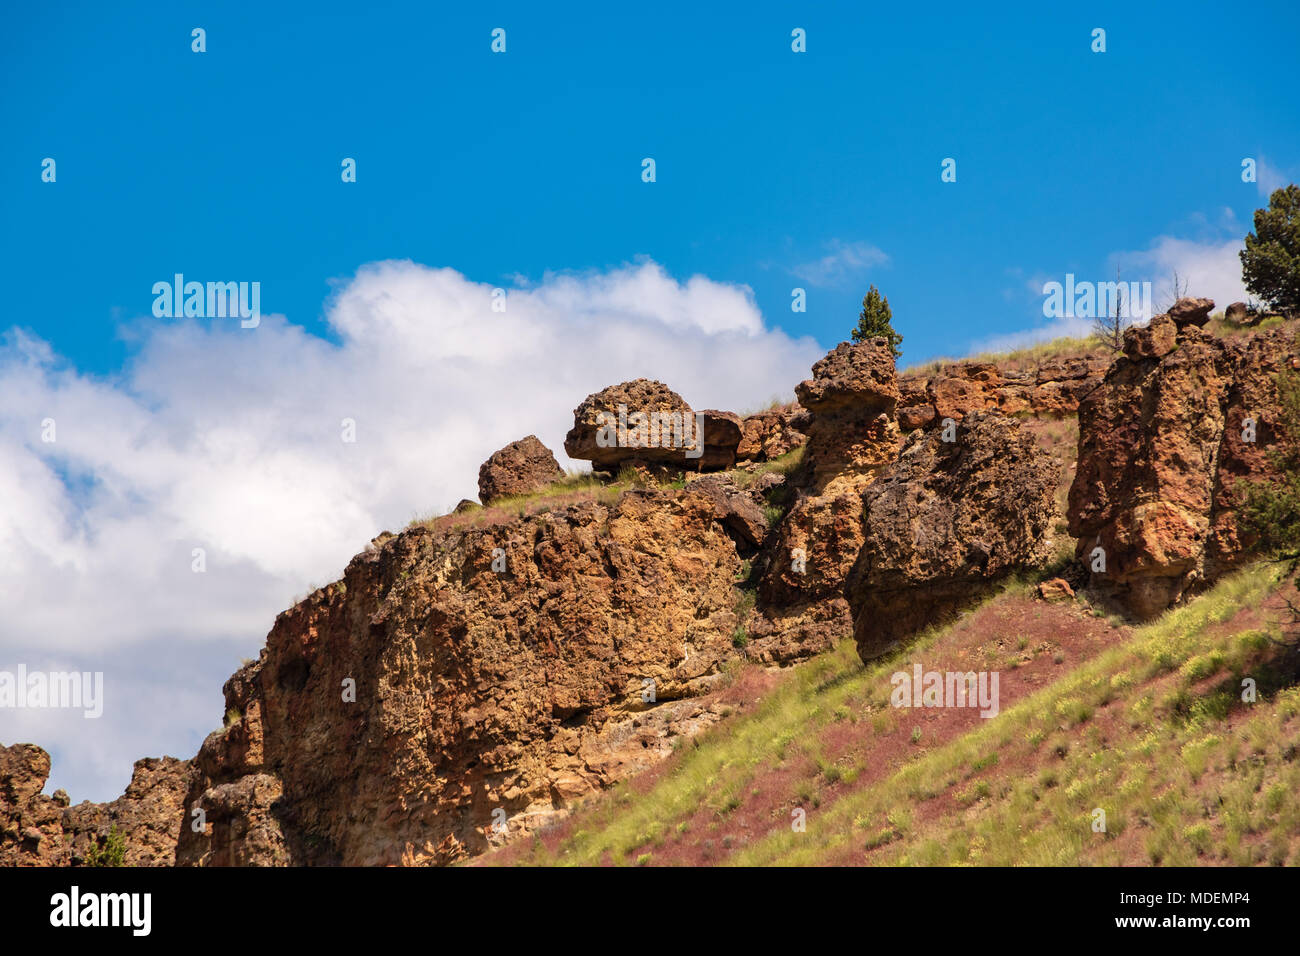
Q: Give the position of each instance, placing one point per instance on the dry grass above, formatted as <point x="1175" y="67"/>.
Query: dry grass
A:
<point x="1020" y="360"/>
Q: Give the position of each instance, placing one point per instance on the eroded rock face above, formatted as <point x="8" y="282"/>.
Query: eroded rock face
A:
<point x="520" y="468"/>
<point x="652" y="426"/>
<point x="1161" y="455"/>
<point x="852" y="437"/>
<point x="1153" y="340"/>
<point x="475" y="690"/>
<point x="722" y="435"/>
<point x="1053" y="389"/>
<point x="772" y="433"/>
<point x="945" y="523"/>
<point x="37" y="830"/>
<point x="150" y="814"/>
<point x="31" y="824"/>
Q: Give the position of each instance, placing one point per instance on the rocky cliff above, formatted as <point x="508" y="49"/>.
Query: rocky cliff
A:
<point x="472" y="678"/>
<point x="1182" y="419"/>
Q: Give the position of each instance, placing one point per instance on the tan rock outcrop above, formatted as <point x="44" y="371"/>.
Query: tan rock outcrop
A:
<point x="1052" y="389"/>
<point x="475" y="690"/>
<point x="37" y="830"/>
<point x="31" y="823"/>
<point x="149" y="815"/>
<point x="852" y="436"/>
<point x="773" y="433"/>
<point x="1161" y="456"/>
<point x="945" y="523"/>
<point x="1153" y="340"/>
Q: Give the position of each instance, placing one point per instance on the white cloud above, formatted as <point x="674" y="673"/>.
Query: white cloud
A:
<point x="1268" y="177"/>
<point x="229" y="439"/>
<point x="1209" y="268"/>
<point x="844" y="261"/>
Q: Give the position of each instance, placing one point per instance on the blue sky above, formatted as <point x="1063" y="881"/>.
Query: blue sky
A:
<point x="775" y="170"/>
<point x="227" y="163"/>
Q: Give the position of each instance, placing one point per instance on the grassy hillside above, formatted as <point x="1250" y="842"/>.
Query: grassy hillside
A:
<point x="1144" y="723"/>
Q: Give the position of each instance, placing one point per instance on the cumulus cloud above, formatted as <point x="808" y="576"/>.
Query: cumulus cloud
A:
<point x="230" y="440"/>
<point x="843" y="261"/>
<point x="1208" y="267"/>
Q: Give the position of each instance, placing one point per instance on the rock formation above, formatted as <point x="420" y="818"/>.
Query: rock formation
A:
<point x="1238" y="313"/>
<point x="474" y="690"/>
<point x="1054" y="388"/>
<point x="644" y="422"/>
<point x="465" y="683"/>
<point x="520" y="468"/>
<point x="722" y="435"/>
<point x="1161" y="456"/>
<point x="852" y="436"/>
<point x="1188" y="311"/>
<point x="945" y="523"/>
<point x="37" y="830"/>
<point x="772" y="433"/>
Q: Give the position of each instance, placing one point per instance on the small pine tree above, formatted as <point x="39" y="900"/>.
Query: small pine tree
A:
<point x="1270" y="263"/>
<point x="874" y="319"/>
<point x="111" y="853"/>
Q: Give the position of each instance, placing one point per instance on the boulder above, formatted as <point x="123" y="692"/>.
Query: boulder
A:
<point x="859" y="378"/>
<point x="1238" y="313"/>
<point x="916" y="416"/>
<point x="722" y="434"/>
<point x="645" y="422"/>
<point x="520" y="468"/>
<point x="1187" y="311"/>
<point x="738" y="510"/>
<point x="945" y="523"/>
<point x="1055" y="590"/>
<point x="1153" y="340"/>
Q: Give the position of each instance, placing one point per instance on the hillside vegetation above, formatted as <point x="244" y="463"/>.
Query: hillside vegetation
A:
<point x="1146" y="724"/>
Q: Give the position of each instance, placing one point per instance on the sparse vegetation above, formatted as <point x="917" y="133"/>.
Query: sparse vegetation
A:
<point x="1152" y="730"/>
<point x="1272" y="507"/>
<point x="1022" y="359"/>
<point x="110" y="852"/>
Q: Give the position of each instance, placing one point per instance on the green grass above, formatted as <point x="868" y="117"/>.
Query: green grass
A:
<point x="716" y="768"/>
<point x="1145" y="779"/>
<point x="1151" y="732"/>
